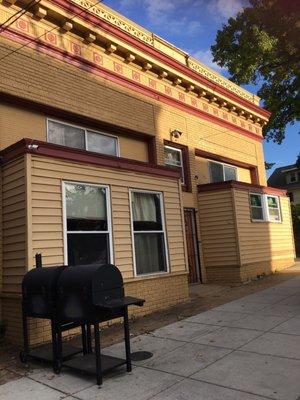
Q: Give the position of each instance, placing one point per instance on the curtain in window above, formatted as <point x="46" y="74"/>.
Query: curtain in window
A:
<point x="149" y="253"/>
<point x="86" y="208"/>
<point x="143" y="207"/>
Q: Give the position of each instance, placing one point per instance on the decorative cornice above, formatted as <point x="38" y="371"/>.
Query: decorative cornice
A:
<point x="88" y="57"/>
<point x="209" y="187"/>
<point x="40" y="148"/>
<point x="86" y="23"/>
<point x="110" y="16"/>
<point x="176" y="59"/>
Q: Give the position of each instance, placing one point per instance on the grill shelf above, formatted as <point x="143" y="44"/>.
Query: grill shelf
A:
<point x="119" y="303"/>
<point x="45" y="352"/>
<point x="86" y="363"/>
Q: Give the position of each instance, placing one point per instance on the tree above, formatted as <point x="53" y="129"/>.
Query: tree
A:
<point x="298" y="161"/>
<point x="262" y="45"/>
<point x="269" y="165"/>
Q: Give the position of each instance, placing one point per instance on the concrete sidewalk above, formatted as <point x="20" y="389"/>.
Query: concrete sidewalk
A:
<point x="248" y="349"/>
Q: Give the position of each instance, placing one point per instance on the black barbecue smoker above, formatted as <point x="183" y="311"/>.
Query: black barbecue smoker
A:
<point x="77" y="296"/>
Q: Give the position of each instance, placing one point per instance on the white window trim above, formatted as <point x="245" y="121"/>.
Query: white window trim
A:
<point x="162" y="211"/>
<point x="265" y="208"/>
<point x="108" y="213"/>
<point x="277" y="208"/>
<point x="85" y="135"/>
<point x="223" y="170"/>
<point x="181" y="161"/>
<point x="262" y="207"/>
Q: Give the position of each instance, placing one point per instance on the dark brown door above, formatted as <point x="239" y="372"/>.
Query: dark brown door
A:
<point x="192" y="245"/>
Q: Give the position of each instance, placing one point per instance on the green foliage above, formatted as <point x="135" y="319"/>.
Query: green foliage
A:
<point x="262" y="45"/>
<point x="269" y="165"/>
<point x="298" y="161"/>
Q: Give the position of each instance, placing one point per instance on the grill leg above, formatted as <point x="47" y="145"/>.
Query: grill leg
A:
<point x="89" y="338"/>
<point x="127" y="340"/>
<point x="84" y="339"/>
<point x="24" y="353"/>
<point x="98" y="354"/>
<point x="54" y="344"/>
<point x="59" y="356"/>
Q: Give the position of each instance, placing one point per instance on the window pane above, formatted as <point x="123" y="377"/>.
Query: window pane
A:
<point x="255" y="200"/>
<point x="146" y="211"/>
<point x="173" y="157"/>
<point x="86" y="208"/>
<point x="272" y="202"/>
<point x="257" y="213"/>
<point x="274" y="214"/>
<point x="88" y="248"/>
<point x="66" y="135"/>
<point x="102" y="144"/>
<point x="230" y="173"/>
<point x="150" y="253"/>
<point x="216" y="172"/>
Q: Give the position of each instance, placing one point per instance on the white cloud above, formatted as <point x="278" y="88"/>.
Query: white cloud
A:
<point x="163" y="13"/>
<point x="225" y="9"/>
<point x="206" y="58"/>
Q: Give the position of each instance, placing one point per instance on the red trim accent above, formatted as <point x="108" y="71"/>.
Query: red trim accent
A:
<point x="254" y="176"/>
<point x="136" y="86"/>
<point x="187" y="187"/>
<point x="227" y="160"/>
<point x="87" y="16"/>
<point x="208" y="187"/>
<point x="252" y="168"/>
<point x="81" y="156"/>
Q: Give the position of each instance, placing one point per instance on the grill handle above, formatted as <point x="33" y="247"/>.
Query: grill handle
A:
<point x="38" y="260"/>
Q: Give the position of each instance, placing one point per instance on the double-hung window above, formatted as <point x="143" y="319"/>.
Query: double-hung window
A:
<point x="222" y="172"/>
<point x="80" y="138"/>
<point x="273" y="208"/>
<point x="87" y="224"/>
<point x="264" y="207"/>
<point x="257" y="207"/>
<point x="148" y="230"/>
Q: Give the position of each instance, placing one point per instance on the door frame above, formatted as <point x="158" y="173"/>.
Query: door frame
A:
<point x="196" y="244"/>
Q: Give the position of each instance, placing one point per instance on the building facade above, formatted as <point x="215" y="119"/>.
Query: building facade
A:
<point x="287" y="178"/>
<point x="118" y="147"/>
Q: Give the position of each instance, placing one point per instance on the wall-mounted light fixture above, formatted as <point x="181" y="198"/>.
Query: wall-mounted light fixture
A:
<point x="32" y="147"/>
<point x="175" y="134"/>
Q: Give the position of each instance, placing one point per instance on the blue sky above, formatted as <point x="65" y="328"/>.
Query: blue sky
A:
<point x="192" y="25"/>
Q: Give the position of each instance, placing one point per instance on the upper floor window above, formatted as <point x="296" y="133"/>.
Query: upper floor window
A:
<point x="176" y="156"/>
<point x="222" y="172"/>
<point x="173" y="158"/>
<point x="81" y="138"/>
<point x="293" y="177"/>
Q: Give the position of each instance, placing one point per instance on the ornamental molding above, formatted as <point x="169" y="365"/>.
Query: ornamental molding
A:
<point x="91" y="54"/>
<point x="110" y="16"/>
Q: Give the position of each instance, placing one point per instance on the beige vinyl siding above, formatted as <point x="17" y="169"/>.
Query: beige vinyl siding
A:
<point x="218" y="233"/>
<point x="13" y="225"/>
<point x="47" y="175"/>
<point x="263" y="241"/>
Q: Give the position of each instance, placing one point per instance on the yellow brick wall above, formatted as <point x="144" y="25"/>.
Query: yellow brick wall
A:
<point x="174" y="287"/>
<point x="18" y="122"/>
